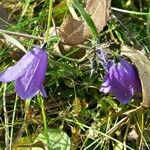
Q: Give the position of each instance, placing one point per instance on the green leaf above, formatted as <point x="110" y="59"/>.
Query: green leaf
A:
<point x="58" y="139"/>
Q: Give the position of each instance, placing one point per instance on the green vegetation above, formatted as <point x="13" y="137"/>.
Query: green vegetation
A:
<point x="75" y="115"/>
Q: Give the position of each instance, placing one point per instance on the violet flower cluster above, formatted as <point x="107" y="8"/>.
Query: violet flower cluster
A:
<point x="121" y="78"/>
<point x="28" y="73"/>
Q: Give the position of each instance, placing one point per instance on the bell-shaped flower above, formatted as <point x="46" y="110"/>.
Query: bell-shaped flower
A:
<point x="121" y="79"/>
<point x="28" y="73"/>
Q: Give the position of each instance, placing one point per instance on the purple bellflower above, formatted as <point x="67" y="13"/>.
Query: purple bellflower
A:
<point x="28" y="73"/>
<point x="121" y="78"/>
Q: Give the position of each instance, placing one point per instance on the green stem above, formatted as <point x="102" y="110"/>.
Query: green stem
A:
<point x="41" y="103"/>
<point x="129" y="12"/>
<point x="27" y="106"/>
<point x="49" y="19"/>
<point x="12" y="123"/>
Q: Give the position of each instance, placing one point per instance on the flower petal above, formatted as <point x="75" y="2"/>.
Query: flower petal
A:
<point x="12" y="73"/>
<point x="29" y="83"/>
<point x="123" y="92"/>
<point x="128" y="76"/>
<point x="127" y="73"/>
<point x="106" y="87"/>
<point x="136" y="81"/>
<point x="43" y="92"/>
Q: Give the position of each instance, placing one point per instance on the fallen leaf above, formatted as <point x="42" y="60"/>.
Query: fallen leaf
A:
<point x="71" y="31"/>
<point x="75" y="137"/>
<point x="133" y="135"/>
<point x="99" y="11"/>
<point x="143" y="65"/>
<point x="75" y="31"/>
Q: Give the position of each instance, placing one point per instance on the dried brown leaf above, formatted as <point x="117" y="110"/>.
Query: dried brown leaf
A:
<point x="99" y="11"/>
<point x="133" y="135"/>
<point x="75" y="32"/>
<point x="76" y="109"/>
<point x="143" y="65"/>
<point x="71" y="31"/>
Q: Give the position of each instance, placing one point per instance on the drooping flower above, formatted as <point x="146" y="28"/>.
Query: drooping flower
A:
<point x="121" y="79"/>
<point x="28" y="73"/>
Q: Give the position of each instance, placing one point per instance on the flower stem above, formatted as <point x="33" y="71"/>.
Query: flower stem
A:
<point x="49" y="19"/>
<point x="21" y="35"/>
<point x="41" y="103"/>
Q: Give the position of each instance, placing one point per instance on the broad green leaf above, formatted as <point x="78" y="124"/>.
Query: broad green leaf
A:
<point x="58" y="139"/>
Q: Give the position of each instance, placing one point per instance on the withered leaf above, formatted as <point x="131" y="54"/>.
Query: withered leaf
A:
<point x="76" y="107"/>
<point x="75" y="31"/>
<point x="133" y="135"/>
<point x="71" y="31"/>
<point x="99" y="11"/>
<point x="143" y="65"/>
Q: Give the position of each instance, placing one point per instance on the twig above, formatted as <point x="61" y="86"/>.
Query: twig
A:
<point x="22" y="35"/>
<point x="129" y="12"/>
